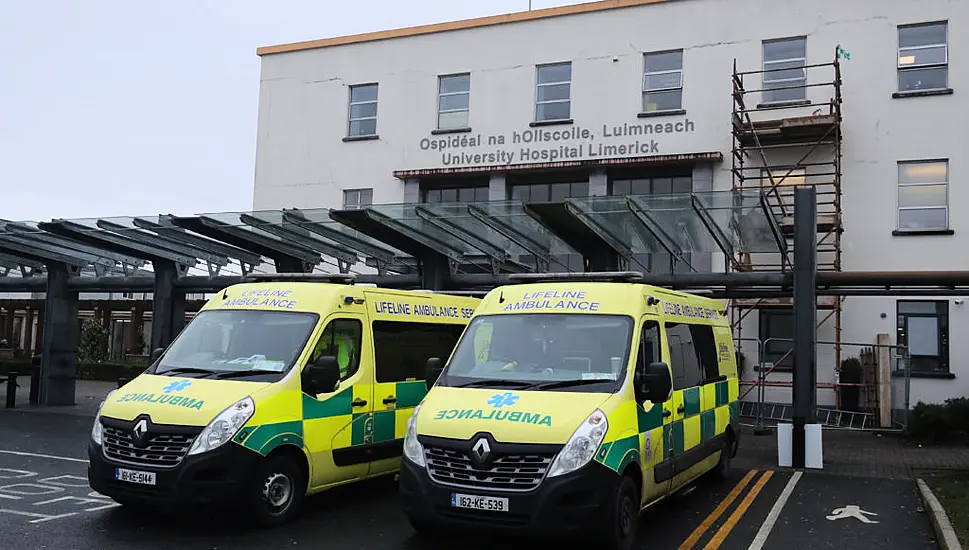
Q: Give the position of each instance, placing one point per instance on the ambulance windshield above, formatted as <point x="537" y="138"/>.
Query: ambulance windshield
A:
<point x="238" y="344"/>
<point x="555" y="352"/>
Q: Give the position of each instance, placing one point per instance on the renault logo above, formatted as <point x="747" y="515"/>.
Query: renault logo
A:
<point x="481" y="449"/>
<point x="140" y="431"/>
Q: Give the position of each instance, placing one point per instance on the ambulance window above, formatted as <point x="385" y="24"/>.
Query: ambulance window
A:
<point x="401" y="350"/>
<point x="683" y="357"/>
<point x="706" y="348"/>
<point x="342" y="339"/>
<point x="649" y="349"/>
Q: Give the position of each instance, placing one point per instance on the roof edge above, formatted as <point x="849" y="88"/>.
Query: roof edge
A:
<point x="491" y="20"/>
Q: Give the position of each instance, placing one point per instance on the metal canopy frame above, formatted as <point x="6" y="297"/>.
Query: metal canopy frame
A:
<point x="442" y="246"/>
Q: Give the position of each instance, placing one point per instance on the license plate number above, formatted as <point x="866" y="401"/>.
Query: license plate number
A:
<point x="134" y="476"/>
<point x="474" y="502"/>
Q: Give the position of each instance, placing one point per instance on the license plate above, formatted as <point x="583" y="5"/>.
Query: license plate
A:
<point x="134" y="476"/>
<point x="474" y="502"/>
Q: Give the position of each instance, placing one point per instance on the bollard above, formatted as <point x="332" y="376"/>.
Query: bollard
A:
<point x="11" y="389"/>
<point x="35" y="380"/>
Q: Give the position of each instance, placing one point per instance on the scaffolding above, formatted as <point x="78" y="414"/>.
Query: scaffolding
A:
<point x="786" y="126"/>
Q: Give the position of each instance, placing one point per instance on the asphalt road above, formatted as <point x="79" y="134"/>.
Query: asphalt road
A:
<point x="45" y="502"/>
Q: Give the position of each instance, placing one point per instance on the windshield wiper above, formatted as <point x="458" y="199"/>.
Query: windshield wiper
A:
<point x="184" y="370"/>
<point x="496" y="382"/>
<point x="244" y="373"/>
<point x="571" y="383"/>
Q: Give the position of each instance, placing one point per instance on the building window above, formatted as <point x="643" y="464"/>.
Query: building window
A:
<point x="785" y="59"/>
<point x="663" y="81"/>
<point x="453" y="101"/>
<point x="923" y="330"/>
<point x="354" y="199"/>
<point x="554" y="91"/>
<point x="549" y="192"/>
<point x="923" y="57"/>
<point x="652" y="186"/>
<point x="923" y="197"/>
<point x="363" y="110"/>
<point x="776" y="331"/>
<point x="456" y="194"/>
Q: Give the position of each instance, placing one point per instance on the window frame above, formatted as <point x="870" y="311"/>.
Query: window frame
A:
<point x="898" y="195"/>
<point x="902" y="69"/>
<point x="539" y="85"/>
<point x="765" y="80"/>
<point x="440" y="95"/>
<point x="942" y="317"/>
<point x="351" y="104"/>
<point x="646" y="74"/>
<point x="359" y="193"/>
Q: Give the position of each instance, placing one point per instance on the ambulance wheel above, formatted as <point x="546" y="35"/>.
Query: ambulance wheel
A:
<point x="624" y="516"/>
<point x="722" y="470"/>
<point x="278" y="491"/>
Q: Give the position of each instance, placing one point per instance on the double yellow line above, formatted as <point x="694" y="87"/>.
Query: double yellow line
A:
<point x="725" y="504"/>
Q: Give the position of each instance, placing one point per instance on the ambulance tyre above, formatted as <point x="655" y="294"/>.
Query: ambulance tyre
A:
<point x="278" y="490"/>
<point x="722" y="470"/>
<point x="624" y="517"/>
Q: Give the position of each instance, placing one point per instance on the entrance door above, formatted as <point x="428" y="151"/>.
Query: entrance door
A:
<point x="338" y="426"/>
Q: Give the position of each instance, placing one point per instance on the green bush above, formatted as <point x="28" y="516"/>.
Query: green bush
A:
<point x="93" y="347"/>
<point x="940" y="423"/>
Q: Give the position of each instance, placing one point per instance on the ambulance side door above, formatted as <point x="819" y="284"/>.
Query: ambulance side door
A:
<point x="338" y="426"/>
<point x="652" y="418"/>
<point x="401" y="351"/>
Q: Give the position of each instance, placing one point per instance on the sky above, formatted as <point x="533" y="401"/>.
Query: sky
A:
<point x="128" y="107"/>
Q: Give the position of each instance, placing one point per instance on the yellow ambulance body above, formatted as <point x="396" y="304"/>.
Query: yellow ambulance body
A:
<point x="569" y="407"/>
<point x="274" y="390"/>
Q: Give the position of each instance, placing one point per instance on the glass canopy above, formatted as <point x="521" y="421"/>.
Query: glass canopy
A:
<point x="507" y="235"/>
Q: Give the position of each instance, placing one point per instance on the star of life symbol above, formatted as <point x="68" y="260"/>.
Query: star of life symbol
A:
<point x="851" y="511"/>
<point x="176" y="386"/>
<point x="506" y="399"/>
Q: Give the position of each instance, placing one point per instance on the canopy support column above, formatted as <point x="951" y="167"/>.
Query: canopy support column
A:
<point x="805" y="318"/>
<point x="168" y="308"/>
<point x="58" y="368"/>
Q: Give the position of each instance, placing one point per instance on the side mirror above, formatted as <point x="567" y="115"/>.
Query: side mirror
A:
<point x="156" y="353"/>
<point x="654" y="383"/>
<point x="433" y="370"/>
<point x="321" y="376"/>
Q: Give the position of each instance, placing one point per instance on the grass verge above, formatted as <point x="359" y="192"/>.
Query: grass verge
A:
<point x="952" y="490"/>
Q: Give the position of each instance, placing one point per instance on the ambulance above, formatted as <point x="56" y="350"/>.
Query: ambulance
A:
<point x="275" y="390"/>
<point x="570" y="405"/>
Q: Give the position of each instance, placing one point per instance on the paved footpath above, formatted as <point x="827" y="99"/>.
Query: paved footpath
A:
<point x="45" y="503"/>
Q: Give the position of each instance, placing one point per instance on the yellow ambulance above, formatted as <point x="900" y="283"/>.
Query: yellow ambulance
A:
<point x="569" y="406"/>
<point x="274" y="390"/>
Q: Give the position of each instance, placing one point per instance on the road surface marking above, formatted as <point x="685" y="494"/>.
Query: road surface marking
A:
<point x="731" y="522"/>
<point x="851" y="511"/>
<point x="765" y="529"/>
<point x="716" y="513"/>
<point x="35" y="455"/>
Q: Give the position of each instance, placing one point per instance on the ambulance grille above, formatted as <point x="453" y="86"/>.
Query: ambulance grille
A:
<point x="519" y="472"/>
<point x="162" y="450"/>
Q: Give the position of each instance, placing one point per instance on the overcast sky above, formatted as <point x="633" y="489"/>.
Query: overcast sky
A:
<point x="127" y="107"/>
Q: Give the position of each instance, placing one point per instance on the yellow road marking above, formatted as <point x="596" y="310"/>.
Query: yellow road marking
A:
<point x="716" y="513"/>
<point x="731" y="522"/>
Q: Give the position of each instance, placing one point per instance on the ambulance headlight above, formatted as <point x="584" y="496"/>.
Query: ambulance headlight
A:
<point x="96" y="429"/>
<point x="224" y="426"/>
<point x="413" y="449"/>
<point x="582" y="446"/>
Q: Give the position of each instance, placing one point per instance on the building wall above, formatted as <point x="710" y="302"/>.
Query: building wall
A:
<point x="303" y="160"/>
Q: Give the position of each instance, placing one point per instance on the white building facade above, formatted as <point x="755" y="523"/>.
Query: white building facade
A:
<point x="636" y="97"/>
